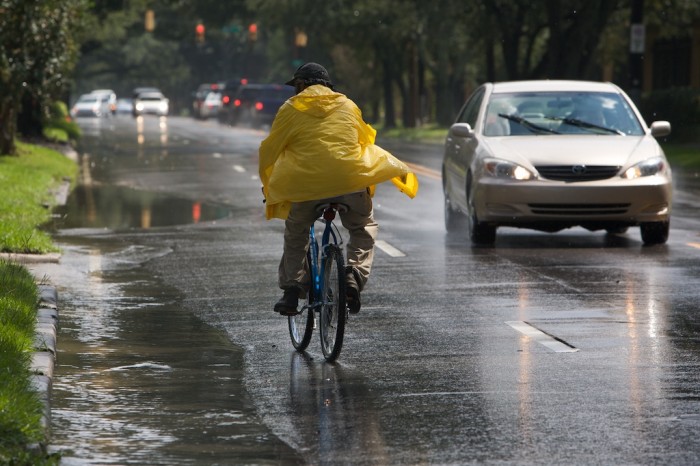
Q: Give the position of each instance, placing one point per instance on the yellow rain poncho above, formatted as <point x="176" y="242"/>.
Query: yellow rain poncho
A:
<point x="320" y="147"/>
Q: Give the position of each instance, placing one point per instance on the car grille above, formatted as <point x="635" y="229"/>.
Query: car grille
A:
<point x="577" y="172"/>
<point x="578" y="209"/>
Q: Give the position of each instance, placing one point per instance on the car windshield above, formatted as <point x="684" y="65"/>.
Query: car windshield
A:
<point x="150" y="97"/>
<point x="88" y="99"/>
<point x="531" y="113"/>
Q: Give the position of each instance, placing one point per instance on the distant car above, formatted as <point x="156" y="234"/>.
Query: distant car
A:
<point x="151" y="103"/>
<point x="549" y="155"/>
<point x="109" y="97"/>
<point x="228" y="94"/>
<point x="89" y="105"/>
<point x="257" y="104"/>
<point x="211" y="105"/>
<point x="125" y="105"/>
<point x="200" y="95"/>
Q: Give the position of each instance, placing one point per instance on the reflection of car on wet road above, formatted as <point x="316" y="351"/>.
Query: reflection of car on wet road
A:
<point x="151" y="103"/>
<point x="549" y="155"/>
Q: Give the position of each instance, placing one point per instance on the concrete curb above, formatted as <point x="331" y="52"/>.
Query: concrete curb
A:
<point x="44" y="356"/>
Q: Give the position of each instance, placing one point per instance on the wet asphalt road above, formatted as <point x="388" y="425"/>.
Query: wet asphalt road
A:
<point x="444" y="364"/>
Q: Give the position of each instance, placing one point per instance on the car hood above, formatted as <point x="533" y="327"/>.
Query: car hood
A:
<point x="573" y="150"/>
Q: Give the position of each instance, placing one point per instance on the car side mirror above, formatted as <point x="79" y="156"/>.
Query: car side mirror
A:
<point x="660" y="128"/>
<point x="462" y="130"/>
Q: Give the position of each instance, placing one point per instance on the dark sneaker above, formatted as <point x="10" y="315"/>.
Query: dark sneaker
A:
<point x="353" y="299"/>
<point x="352" y="291"/>
<point x="287" y="305"/>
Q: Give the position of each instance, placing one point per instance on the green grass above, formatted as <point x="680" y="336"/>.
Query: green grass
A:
<point x="684" y="156"/>
<point x="20" y="406"/>
<point x="26" y="182"/>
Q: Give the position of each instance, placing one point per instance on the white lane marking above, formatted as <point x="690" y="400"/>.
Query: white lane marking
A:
<point x="388" y="248"/>
<point x="541" y="337"/>
<point x="239" y="168"/>
<point x="216" y="155"/>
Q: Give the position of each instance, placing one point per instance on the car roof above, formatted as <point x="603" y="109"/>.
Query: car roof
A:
<point x="151" y="94"/>
<point x="555" y="85"/>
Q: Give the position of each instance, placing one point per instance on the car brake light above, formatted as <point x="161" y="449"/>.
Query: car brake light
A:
<point x="258" y="106"/>
<point x="226" y="100"/>
<point x="237" y="102"/>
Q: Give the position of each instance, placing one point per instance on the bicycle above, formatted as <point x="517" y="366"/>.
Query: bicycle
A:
<point x="326" y="295"/>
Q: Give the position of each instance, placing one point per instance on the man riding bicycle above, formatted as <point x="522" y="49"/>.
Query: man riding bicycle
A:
<point x="320" y="150"/>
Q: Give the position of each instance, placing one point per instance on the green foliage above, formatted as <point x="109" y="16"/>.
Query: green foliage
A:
<point x="58" y="126"/>
<point x="25" y="189"/>
<point x="37" y="53"/>
<point x="680" y="106"/>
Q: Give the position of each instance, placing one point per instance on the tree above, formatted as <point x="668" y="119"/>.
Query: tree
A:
<point x="37" y="53"/>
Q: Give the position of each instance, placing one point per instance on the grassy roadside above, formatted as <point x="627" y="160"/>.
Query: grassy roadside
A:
<point x="20" y="407"/>
<point x="26" y="185"/>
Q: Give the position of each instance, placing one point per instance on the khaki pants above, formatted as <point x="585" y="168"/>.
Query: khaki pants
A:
<point x="358" y="220"/>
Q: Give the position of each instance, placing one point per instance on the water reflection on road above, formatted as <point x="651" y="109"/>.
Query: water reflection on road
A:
<point x="139" y="380"/>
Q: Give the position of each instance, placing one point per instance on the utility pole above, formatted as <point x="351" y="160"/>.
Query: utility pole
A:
<point x="637" y="48"/>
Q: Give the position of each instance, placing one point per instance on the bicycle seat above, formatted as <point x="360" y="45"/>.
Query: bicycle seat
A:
<point x="328" y="209"/>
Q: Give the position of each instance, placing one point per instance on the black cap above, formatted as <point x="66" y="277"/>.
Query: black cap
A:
<point x="311" y="73"/>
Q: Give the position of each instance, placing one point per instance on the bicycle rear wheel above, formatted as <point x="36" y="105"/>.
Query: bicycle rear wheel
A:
<point x="333" y="310"/>
<point x="301" y="326"/>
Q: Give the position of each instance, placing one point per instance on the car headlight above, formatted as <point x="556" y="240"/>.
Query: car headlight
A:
<point x="649" y="167"/>
<point x="139" y="107"/>
<point x="504" y="169"/>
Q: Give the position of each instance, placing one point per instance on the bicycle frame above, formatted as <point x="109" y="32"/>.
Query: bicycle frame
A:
<point x="325" y="302"/>
<point x="316" y="270"/>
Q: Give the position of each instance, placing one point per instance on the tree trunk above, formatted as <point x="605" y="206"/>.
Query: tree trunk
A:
<point x="8" y="118"/>
<point x="389" y="111"/>
<point x="29" y="119"/>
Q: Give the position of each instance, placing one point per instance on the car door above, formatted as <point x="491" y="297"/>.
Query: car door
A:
<point x="459" y="150"/>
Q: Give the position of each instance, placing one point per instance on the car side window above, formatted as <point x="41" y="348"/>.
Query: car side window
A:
<point x="470" y="112"/>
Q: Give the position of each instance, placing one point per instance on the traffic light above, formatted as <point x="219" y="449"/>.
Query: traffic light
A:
<point x="149" y="21"/>
<point x="253" y="32"/>
<point x="199" y="31"/>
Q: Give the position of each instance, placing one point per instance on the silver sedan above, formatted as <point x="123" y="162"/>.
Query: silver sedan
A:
<point x="549" y="155"/>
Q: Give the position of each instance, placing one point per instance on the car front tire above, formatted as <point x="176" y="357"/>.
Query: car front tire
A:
<point x="655" y="232"/>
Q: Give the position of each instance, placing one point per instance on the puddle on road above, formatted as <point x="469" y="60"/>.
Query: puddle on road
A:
<point x="139" y="380"/>
<point x="121" y="208"/>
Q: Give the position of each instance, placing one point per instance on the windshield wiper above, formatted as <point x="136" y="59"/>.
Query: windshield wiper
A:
<point x="528" y="124"/>
<point x="586" y="125"/>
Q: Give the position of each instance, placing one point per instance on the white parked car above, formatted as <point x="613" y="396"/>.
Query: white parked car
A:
<point x="151" y="102"/>
<point x="89" y="105"/>
<point x="549" y="155"/>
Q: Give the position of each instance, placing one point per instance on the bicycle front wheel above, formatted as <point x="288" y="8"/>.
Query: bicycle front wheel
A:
<point x="333" y="310"/>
